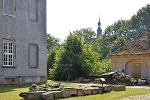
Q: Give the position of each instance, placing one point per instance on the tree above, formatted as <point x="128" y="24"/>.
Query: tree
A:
<point x="123" y="31"/>
<point x="52" y="41"/>
<point x="76" y="60"/>
<point x="68" y="66"/>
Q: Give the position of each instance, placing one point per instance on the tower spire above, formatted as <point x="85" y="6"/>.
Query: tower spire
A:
<point x="99" y="30"/>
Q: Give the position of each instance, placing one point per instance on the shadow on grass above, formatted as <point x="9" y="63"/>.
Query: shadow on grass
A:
<point x="4" y="89"/>
<point x="9" y="88"/>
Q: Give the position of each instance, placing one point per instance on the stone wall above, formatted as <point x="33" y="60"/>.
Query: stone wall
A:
<point x="24" y="30"/>
<point x="125" y="63"/>
<point x="5" y="80"/>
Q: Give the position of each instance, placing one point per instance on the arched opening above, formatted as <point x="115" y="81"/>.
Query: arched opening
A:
<point x="136" y="68"/>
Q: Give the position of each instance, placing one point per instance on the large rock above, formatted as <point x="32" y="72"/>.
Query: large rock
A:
<point x="33" y="87"/>
<point x="47" y="96"/>
<point x="80" y="92"/>
<point x="66" y="93"/>
<point x="57" y="94"/>
<point x="119" y="87"/>
<point x="96" y="90"/>
<point x="87" y="91"/>
<point x="31" y="95"/>
<point x="73" y="91"/>
<point x="108" y="88"/>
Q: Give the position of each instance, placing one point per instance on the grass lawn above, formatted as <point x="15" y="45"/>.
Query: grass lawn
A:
<point x="12" y="93"/>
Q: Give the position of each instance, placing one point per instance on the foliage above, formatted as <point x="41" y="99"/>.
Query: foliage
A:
<point x="52" y="57"/>
<point x="68" y="62"/>
<point x="76" y="60"/>
<point x="87" y="34"/>
<point x="122" y="32"/>
<point x="53" y="47"/>
<point x="52" y="41"/>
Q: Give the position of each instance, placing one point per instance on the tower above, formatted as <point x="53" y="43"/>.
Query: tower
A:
<point x="99" y="30"/>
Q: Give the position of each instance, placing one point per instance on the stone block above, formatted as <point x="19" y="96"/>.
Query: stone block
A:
<point x="80" y="92"/>
<point x="66" y="93"/>
<point x="47" y="96"/>
<point x="57" y="94"/>
<point x="100" y="90"/>
<point x="108" y="88"/>
<point x="35" y="95"/>
<point x="73" y="92"/>
<point x="35" y="79"/>
<point x="119" y="87"/>
<point x="95" y="90"/>
<point x="87" y="91"/>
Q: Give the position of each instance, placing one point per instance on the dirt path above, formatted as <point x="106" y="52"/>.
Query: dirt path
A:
<point x="138" y="97"/>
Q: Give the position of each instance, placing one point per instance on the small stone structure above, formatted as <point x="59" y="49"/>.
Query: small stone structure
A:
<point x="51" y="93"/>
<point x="133" y="58"/>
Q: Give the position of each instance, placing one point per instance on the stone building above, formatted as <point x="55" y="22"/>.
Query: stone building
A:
<point x="134" y="58"/>
<point x="23" y="41"/>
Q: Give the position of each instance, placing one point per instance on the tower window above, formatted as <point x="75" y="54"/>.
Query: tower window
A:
<point x="9" y="8"/>
<point x="8" y="53"/>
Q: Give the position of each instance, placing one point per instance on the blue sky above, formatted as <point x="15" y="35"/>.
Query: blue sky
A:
<point x="69" y="15"/>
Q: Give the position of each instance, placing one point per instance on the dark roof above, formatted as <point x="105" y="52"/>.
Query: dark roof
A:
<point x="108" y="73"/>
<point x="141" y="45"/>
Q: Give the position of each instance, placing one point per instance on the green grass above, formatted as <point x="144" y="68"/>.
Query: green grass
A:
<point x="12" y="93"/>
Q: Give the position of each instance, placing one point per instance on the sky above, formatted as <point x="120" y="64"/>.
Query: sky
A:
<point x="70" y="15"/>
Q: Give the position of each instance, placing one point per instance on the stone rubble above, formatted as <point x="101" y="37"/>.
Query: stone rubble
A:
<point x="51" y="93"/>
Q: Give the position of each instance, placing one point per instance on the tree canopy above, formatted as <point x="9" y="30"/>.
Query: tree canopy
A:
<point x="76" y="60"/>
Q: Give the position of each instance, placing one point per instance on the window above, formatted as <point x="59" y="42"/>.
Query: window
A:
<point x="33" y="55"/>
<point x="33" y="10"/>
<point x="9" y="8"/>
<point x="8" y="53"/>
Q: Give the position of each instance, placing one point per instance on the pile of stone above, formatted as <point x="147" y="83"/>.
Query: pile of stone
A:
<point x="55" y="92"/>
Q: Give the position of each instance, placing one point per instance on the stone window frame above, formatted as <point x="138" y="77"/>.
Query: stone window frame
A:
<point x="37" y="65"/>
<point x="14" y="9"/>
<point x="13" y="65"/>
<point x="37" y="6"/>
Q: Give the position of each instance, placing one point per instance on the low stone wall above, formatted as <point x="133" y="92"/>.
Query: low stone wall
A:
<point x="49" y="93"/>
<point x="64" y="93"/>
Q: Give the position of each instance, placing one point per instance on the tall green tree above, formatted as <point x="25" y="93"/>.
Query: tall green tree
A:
<point x="86" y="33"/>
<point x="76" y="60"/>
<point x="52" y="41"/>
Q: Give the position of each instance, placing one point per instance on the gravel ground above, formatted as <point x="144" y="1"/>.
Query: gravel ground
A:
<point x="138" y="97"/>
